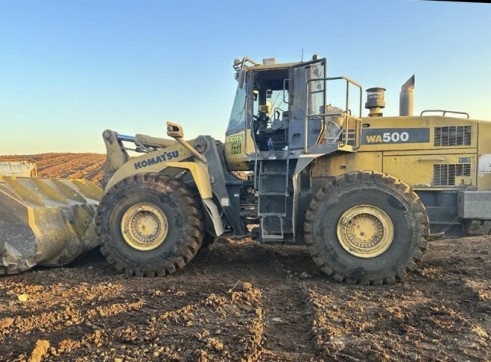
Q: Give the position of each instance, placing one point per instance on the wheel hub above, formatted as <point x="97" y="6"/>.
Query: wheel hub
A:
<point x="144" y="226"/>
<point x="365" y="231"/>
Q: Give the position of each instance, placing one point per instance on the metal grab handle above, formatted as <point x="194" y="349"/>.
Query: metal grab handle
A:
<point x="444" y="112"/>
<point x="431" y="159"/>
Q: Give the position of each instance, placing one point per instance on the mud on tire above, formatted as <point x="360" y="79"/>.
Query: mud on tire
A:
<point x="149" y="224"/>
<point x="366" y="228"/>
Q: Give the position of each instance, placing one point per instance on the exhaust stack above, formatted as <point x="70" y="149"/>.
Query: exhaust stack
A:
<point x="406" y="98"/>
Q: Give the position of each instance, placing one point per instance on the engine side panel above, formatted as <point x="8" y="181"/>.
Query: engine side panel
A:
<point x="425" y="152"/>
<point x="484" y="156"/>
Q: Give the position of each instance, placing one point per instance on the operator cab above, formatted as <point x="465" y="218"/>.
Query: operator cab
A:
<point x="274" y="101"/>
<point x="282" y="108"/>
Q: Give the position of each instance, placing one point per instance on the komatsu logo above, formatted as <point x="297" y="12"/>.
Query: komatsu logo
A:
<point x="166" y="156"/>
<point x="372" y="136"/>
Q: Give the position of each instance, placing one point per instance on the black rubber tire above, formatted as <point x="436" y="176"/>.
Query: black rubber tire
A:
<point x="208" y="240"/>
<point x="106" y="177"/>
<point x="396" y="199"/>
<point x="185" y="225"/>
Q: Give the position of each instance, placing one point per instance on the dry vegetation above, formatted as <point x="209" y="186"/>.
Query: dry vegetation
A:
<point x="246" y="301"/>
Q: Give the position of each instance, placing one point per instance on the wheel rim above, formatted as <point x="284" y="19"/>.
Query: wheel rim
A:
<point x="144" y="226"/>
<point x="365" y="231"/>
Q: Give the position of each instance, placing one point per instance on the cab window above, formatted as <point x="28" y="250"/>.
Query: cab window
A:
<point x="237" y="119"/>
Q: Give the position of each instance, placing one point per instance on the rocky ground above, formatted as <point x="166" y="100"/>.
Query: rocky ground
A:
<point x="248" y="301"/>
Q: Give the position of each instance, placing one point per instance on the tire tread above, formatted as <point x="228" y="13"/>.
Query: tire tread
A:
<point x="185" y="248"/>
<point x="361" y="178"/>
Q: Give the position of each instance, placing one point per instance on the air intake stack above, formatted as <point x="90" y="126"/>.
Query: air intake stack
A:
<point x="406" y="98"/>
<point x="375" y="101"/>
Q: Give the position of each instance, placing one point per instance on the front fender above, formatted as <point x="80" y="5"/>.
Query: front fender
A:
<point x="172" y="161"/>
<point x="154" y="161"/>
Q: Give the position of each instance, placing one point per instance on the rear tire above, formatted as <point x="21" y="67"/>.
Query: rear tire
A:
<point x="366" y="228"/>
<point x="149" y="224"/>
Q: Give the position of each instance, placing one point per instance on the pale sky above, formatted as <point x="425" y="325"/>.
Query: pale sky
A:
<point x="70" y="69"/>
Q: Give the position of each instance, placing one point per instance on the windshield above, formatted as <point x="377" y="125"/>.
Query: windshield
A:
<point x="237" y="119"/>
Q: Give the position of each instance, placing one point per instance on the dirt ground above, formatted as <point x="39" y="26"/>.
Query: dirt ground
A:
<point x="249" y="301"/>
<point x="244" y="301"/>
<point x="65" y="165"/>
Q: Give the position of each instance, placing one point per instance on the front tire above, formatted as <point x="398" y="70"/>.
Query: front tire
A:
<point x="366" y="228"/>
<point x="149" y="224"/>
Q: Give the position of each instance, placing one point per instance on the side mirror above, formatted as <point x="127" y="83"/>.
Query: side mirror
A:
<point x="174" y="130"/>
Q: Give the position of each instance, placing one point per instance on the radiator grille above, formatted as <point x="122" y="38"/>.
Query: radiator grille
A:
<point x="445" y="175"/>
<point x="453" y="136"/>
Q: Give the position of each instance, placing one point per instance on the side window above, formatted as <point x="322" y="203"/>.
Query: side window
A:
<point x="278" y="98"/>
<point x="307" y="103"/>
<point x="237" y="119"/>
<point x="316" y="89"/>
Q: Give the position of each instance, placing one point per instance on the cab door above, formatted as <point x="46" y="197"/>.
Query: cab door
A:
<point x="307" y="101"/>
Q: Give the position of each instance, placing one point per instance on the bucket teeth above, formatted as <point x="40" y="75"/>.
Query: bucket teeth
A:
<point x="45" y="221"/>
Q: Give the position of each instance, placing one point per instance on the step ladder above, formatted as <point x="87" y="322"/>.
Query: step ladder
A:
<point x="273" y="198"/>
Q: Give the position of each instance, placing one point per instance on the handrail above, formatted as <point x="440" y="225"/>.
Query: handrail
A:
<point x="346" y="112"/>
<point x="284" y="87"/>
<point x="239" y="64"/>
<point x="444" y="112"/>
<point x="356" y="84"/>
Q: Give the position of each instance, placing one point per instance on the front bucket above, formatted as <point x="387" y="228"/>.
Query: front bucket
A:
<point x="45" y="221"/>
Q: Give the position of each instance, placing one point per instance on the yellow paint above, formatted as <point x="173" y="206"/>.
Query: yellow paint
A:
<point x="200" y="176"/>
<point x="415" y="122"/>
<point x="365" y="231"/>
<point x="144" y="226"/>
<point x="484" y="149"/>
<point x="238" y="147"/>
<point x="129" y="169"/>
<point x="339" y="164"/>
<point x="414" y="162"/>
<point x="417" y="169"/>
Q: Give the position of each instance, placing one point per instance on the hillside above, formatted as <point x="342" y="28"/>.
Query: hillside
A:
<point x="65" y="165"/>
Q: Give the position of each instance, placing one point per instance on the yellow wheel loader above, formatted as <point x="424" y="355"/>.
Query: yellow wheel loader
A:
<point x="363" y="193"/>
